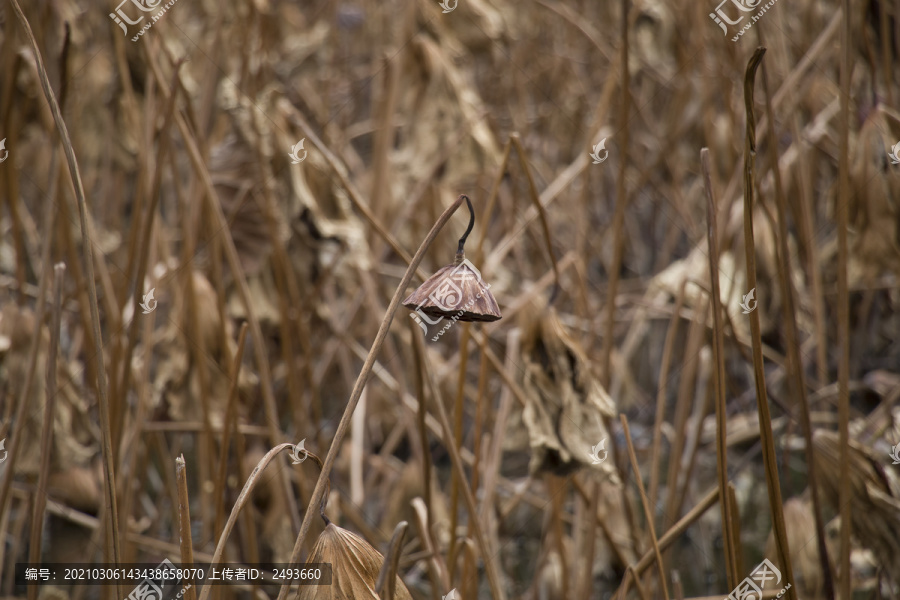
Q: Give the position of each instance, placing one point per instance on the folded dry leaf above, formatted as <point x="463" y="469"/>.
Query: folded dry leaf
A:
<point x="355" y="565"/>
<point x="874" y="497"/>
<point x="565" y="403"/>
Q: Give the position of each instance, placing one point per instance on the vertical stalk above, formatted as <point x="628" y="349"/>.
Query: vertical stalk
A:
<point x="621" y="204"/>
<point x="109" y="479"/>
<point x="843" y="327"/>
<point x="762" y="400"/>
<point x="719" y="378"/>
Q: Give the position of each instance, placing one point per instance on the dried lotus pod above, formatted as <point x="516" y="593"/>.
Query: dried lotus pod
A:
<point x="456" y="291"/>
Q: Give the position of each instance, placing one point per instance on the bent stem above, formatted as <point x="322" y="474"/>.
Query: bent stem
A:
<point x="462" y="240"/>
<point x="244" y="498"/>
<point x="762" y="400"/>
<point x="341" y="431"/>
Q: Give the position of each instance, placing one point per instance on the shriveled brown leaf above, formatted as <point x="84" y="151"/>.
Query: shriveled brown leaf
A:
<point x="410" y="484"/>
<point x="355" y="565"/>
<point x="874" y="497"/>
<point x="177" y="383"/>
<point x="565" y="403"/>
<point x="875" y="204"/>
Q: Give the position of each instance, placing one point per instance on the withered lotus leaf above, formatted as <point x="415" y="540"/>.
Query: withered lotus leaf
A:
<point x="354" y="568"/>
<point x="874" y="496"/>
<point x="565" y="403"/>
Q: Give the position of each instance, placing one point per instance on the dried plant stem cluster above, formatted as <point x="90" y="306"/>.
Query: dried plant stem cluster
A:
<point x="670" y="352"/>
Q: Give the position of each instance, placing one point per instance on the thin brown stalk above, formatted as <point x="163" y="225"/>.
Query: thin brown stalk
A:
<point x="40" y="494"/>
<point x="384" y="131"/>
<point x="458" y="407"/>
<point x="437" y="571"/>
<point x="712" y="237"/>
<point x="648" y="509"/>
<point x="683" y="404"/>
<point x="556" y="487"/>
<point x="214" y="207"/>
<point x="794" y="367"/>
<point x="631" y="577"/>
<point x="387" y="577"/>
<point x="420" y="422"/>
<point x="22" y="401"/>
<point x="587" y="571"/>
<point x="843" y="322"/>
<point x="242" y="501"/>
<point x="227" y="426"/>
<point x="884" y="36"/>
<point x="601" y="521"/>
<point x="198" y="357"/>
<point x="503" y="246"/>
<point x="109" y="480"/>
<point x="661" y="392"/>
<point x="123" y="367"/>
<point x="361" y="382"/>
<point x="73" y="262"/>
<point x="492" y="200"/>
<point x="673" y="534"/>
<point x="184" y="523"/>
<point x="248" y="523"/>
<point x="234" y="264"/>
<point x="290" y="303"/>
<point x="536" y="200"/>
<point x="135" y="457"/>
<point x="469" y="547"/>
<point x="803" y="214"/>
<point x="490" y="566"/>
<point x="480" y="408"/>
<point x="704" y="386"/>
<point x="736" y="523"/>
<point x="495" y="453"/>
<point x="762" y="402"/>
<point x="621" y="205"/>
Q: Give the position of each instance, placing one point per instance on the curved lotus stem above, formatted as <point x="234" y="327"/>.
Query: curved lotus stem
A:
<point x="462" y="241"/>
